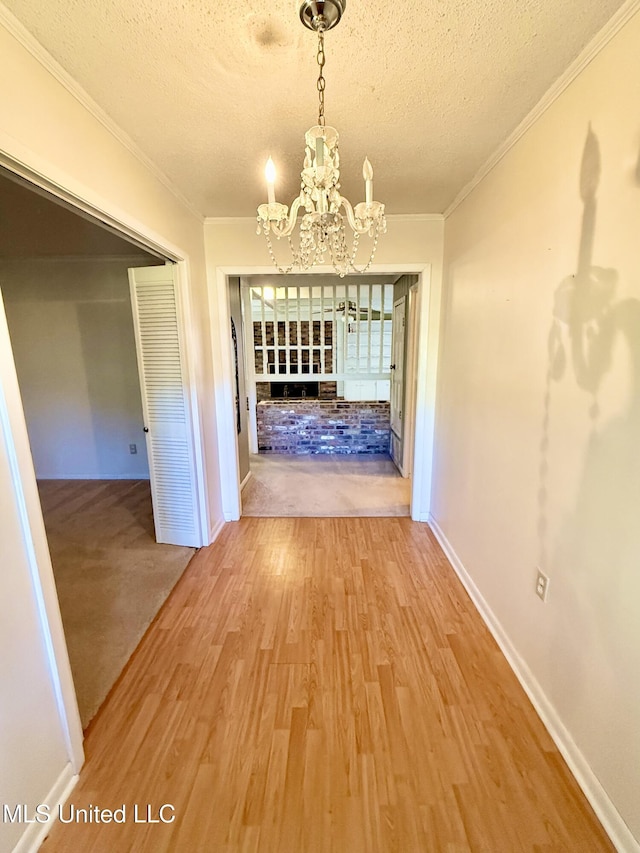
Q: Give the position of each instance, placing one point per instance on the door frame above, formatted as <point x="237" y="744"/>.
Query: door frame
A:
<point x="428" y="300"/>
<point x="24" y="481"/>
<point x="402" y="300"/>
<point x="411" y="367"/>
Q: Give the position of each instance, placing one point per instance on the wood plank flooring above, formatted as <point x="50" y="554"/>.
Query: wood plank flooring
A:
<point x="324" y="685"/>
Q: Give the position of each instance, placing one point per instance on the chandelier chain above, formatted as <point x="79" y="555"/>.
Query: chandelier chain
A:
<point x="321" y="81"/>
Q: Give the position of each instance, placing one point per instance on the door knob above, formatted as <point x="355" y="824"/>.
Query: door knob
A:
<point x="146" y="429"/>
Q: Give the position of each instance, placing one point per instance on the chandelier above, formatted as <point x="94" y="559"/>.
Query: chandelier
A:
<point x="323" y="227"/>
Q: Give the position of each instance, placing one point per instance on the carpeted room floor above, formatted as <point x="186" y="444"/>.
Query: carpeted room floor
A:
<point x="111" y="575"/>
<point x="318" y="486"/>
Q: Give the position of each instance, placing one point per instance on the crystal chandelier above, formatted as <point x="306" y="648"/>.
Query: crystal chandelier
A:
<point x="323" y="227"/>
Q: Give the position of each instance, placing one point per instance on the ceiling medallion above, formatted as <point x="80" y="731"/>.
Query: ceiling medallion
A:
<point x="323" y="227"/>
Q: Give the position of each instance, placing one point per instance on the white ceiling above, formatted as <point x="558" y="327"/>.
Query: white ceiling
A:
<point x="428" y="91"/>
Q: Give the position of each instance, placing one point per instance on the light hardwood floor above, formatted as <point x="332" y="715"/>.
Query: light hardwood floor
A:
<point x="324" y="685"/>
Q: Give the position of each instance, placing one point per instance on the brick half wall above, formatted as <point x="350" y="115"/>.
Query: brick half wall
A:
<point x="322" y="426"/>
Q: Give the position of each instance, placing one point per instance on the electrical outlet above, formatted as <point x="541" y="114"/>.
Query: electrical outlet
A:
<point x="133" y="449"/>
<point x="542" y="585"/>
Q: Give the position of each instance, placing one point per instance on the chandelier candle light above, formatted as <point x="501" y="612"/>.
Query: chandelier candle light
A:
<point x="323" y="225"/>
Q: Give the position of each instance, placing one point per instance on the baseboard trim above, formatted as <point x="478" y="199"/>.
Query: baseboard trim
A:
<point x="214" y="532"/>
<point x="94" y="476"/>
<point x="36" y="833"/>
<point x="607" y="814"/>
<point x="246" y="480"/>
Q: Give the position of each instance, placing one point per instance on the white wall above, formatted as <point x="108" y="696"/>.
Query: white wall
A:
<point x="32" y="747"/>
<point x="47" y="131"/>
<point x="40" y="741"/>
<point x="72" y="337"/>
<point x="538" y="460"/>
<point x="409" y="240"/>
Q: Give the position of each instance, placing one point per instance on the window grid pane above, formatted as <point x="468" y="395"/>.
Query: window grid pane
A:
<point x="336" y="330"/>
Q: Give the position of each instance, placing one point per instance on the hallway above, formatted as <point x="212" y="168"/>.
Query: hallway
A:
<point x="324" y="685"/>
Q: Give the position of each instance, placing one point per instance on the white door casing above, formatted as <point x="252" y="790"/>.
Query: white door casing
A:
<point x="397" y="382"/>
<point x="410" y="372"/>
<point x="247" y="327"/>
<point x="166" y="405"/>
<point x="427" y="308"/>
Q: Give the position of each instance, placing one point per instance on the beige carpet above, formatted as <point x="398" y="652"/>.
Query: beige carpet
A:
<point x="111" y="575"/>
<point x="325" y="486"/>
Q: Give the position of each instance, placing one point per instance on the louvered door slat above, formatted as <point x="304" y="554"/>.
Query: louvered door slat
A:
<point x="165" y="405"/>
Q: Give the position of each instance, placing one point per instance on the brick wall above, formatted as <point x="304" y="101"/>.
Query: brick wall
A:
<point x="326" y="390"/>
<point x="263" y="391"/>
<point x="319" y="426"/>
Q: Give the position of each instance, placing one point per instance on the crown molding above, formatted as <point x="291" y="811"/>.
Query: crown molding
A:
<point x="41" y="55"/>
<point x="391" y="217"/>
<point x="414" y="217"/>
<point x="230" y="220"/>
<point x="610" y="29"/>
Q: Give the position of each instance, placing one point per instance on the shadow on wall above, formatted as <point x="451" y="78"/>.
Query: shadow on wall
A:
<point x="595" y="561"/>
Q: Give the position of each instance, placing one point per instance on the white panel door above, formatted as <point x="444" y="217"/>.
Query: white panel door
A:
<point x="397" y="380"/>
<point x="165" y="405"/>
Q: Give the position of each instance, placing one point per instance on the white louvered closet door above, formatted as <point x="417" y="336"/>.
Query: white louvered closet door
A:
<point x="165" y="404"/>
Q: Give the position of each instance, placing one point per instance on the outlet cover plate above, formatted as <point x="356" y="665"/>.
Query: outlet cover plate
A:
<point x="542" y="585"/>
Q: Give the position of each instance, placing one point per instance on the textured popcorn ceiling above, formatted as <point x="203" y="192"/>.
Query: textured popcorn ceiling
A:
<point x="208" y="89"/>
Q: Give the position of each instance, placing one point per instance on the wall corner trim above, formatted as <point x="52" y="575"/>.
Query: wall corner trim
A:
<point x="41" y="55"/>
<point x="607" y="814"/>
<point x="600" y="41"/>
<point x="35" y="833"/>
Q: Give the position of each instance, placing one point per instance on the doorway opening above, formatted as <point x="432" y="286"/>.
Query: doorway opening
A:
<point x="325" y="394"/>
<point x="64" y="284"/>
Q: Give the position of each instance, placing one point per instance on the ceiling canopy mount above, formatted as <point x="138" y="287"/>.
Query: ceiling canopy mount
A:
<point x="321" y="16"/>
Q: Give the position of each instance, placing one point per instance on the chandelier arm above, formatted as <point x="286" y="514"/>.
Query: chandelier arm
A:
<point x="284" y="227"/>
<point x="363" y="227"/>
